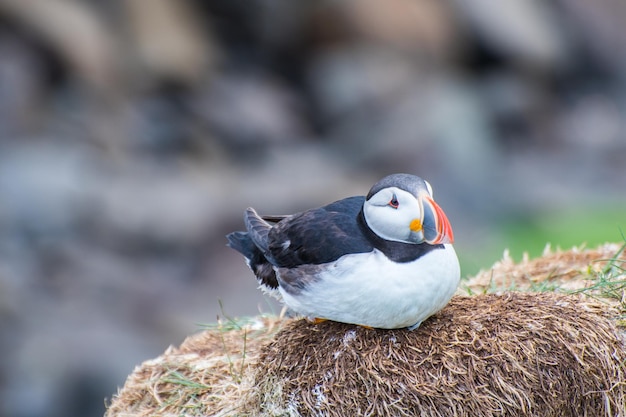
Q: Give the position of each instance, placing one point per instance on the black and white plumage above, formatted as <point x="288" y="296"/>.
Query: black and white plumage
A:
<point x="384" y="260"/>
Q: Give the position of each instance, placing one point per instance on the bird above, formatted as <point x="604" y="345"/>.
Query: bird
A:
<point x="384" y="260"/>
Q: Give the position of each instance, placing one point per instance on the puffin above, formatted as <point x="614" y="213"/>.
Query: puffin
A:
<point x="384" y="260"/>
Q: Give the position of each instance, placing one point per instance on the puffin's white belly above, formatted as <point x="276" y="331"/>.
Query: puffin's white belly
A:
<point x="370" y="290"/>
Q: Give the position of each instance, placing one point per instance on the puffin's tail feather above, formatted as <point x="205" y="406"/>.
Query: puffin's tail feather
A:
<point x="241" y="242"/>
<point x="253" y="245"/>
<point x="262" y="268"/>
<point x="258" y="229"/>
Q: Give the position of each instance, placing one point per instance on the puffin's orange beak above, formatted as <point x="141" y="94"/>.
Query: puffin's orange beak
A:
<point x="436" y="225"/>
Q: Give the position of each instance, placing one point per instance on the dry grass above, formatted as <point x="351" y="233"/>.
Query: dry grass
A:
<point x="203" y="377"/>
<point x="570" y="270"/>
<point x="491" y="354"/>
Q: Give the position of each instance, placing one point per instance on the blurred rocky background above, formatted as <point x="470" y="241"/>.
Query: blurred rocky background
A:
<point x="133" y="134"/>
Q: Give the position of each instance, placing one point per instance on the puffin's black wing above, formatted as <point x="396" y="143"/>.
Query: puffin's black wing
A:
<point x="312" y="237"/>
<point x="318" y="236"/>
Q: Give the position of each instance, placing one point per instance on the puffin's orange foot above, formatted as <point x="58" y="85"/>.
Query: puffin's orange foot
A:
<point x="316" y="320"/>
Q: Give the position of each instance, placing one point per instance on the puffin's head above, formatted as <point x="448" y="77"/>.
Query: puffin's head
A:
<point x="400" y="207"/>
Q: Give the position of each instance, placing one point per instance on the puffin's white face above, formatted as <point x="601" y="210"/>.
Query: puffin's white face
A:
<point x="397" y="215"/>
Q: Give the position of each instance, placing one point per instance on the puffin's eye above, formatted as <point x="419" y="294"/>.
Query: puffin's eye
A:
<point x="393" y="202"/>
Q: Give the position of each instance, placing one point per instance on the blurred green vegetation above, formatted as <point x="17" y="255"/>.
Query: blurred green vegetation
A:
<point x="586" y="226"/>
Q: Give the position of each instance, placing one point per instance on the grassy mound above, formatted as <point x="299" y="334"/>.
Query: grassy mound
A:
<point x="517" y="354"/>
<point x="494" y="353"/>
